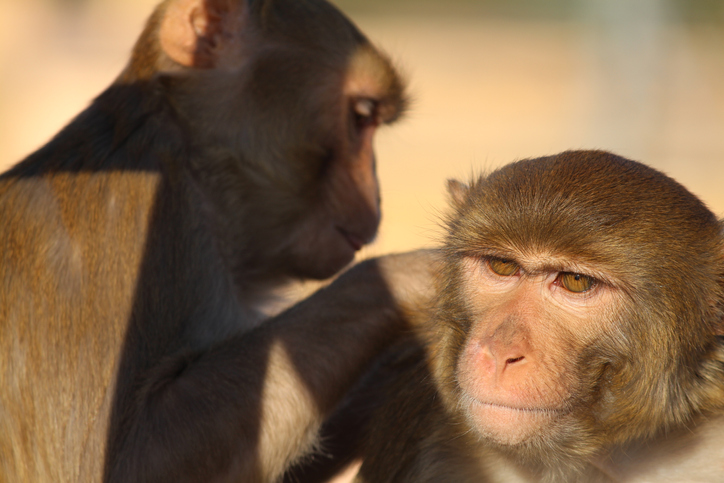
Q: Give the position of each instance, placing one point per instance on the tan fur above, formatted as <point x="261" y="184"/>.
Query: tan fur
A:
<point x="137" y="247"/>
<point x="520" y="380"/>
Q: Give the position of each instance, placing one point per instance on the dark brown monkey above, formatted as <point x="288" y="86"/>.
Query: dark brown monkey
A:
<point x="577" y="336"/>
<point x="233" y="154"/>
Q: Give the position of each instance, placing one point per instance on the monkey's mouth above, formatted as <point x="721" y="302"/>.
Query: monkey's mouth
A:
<point x="507" y="424"/>
<point x="553" y="410"/>
<point x="503" y="407"/>
<point x="354" y="241"/>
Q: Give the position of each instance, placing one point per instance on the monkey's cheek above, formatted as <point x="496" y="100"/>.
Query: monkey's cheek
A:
<point x="505" y="425"/>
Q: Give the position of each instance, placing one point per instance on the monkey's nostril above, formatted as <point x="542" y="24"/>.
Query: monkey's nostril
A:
<point x="513" y="361"/>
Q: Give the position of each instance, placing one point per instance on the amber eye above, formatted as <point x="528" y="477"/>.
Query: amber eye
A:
<point x="577" y="283"/>
<point x="504" y="268"/>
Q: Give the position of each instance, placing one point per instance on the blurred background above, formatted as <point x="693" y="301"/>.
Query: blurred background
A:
<point x="492" y="81"/>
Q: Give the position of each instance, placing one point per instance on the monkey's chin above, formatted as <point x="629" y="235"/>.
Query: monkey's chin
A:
<point x="507" y="425"/>
<point x="330" y="263"/>
<point x="325" y="268"/>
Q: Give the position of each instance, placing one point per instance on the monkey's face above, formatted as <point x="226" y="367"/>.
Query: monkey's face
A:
<point x="532" y="315"/>
<point x="296" y="126"/>
<point x="570" y="284"/>
<point x="332" y="157"/>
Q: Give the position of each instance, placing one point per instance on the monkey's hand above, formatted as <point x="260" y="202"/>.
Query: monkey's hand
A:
<point x="410" y="278"/>
<point x="383" y="299"/>
<point x="384" y="294"/>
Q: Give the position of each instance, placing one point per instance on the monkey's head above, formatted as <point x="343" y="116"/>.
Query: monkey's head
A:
<point x="581" y="305"/>
<point x="280" y="100"/>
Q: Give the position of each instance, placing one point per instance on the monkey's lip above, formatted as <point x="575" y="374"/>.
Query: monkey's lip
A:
<point x="518" y="409"/>
<point x="513" y="410"/>
<point x="510" y="407"/>
<point x="355" y="242"/>
<point x="508" y="424"/>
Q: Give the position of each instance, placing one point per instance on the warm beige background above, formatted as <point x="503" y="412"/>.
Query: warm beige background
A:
<point x="487" y="90"/>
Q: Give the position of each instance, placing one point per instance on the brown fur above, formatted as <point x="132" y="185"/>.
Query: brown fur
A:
<point x="631" y="374"/>
<point x="138" y="247"/>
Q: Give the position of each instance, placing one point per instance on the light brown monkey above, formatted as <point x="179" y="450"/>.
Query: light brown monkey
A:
<point x="233" y="154"/>
<point x="577" y="336"/>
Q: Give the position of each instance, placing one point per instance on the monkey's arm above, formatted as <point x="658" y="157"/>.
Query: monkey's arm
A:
<point x="253" y="404"/>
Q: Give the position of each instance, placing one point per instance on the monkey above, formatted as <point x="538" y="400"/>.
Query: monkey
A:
<point x="141" y="245"/>
<point x="576" y="336"/>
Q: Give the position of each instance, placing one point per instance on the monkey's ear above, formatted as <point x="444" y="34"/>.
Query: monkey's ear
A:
<point x="457" y="191"/>
<point x="195" y="33"/>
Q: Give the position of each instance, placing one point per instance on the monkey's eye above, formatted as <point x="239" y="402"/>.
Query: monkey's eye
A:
<point x="365" y="111"/>
<point x="576" y="283"/>
<point x="504" y="268"/>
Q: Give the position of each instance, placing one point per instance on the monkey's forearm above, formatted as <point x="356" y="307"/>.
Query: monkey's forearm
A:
<point x="271" y="388"/>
